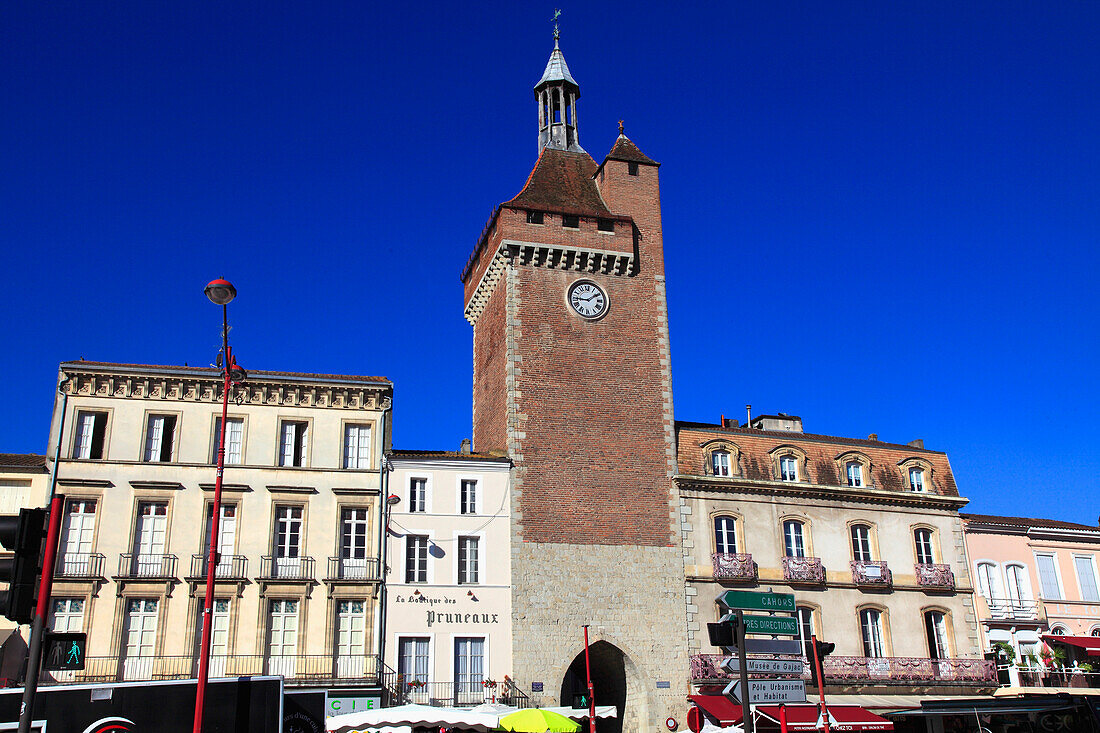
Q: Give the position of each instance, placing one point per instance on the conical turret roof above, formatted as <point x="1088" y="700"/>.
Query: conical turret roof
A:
<point x="557" y="70"/>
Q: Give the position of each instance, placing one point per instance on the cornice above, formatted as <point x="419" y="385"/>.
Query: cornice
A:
<point x="713" y="485"/>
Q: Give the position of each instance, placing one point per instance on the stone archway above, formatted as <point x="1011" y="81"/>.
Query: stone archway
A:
<point x="616" y="682"/>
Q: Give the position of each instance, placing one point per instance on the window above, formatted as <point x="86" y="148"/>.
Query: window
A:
<point x="788" y="468"/>
<point x="1048" y="577"/>
<point x="870" y="622"/>
<point x="1086" y="576"/>
<point x="923" y="539"/>
<point x="416" y="559"/>
<point x="1058" y="630"/>
<point x="855" y="474"/>
<point x="570" y="221"/>
<point x="1017" y="588"/>
<point x="160" y="438"/>
<point x="632" y="168"/>
<point x="806" y="630"/>
<point x="150" y="538"/>
<point x="418" y="494"/>
<point x="935" y="626"/>
<point x="605" y="225"/>
<point x="916" y="479"/>
<point x="293" y="437"/>
<point x="77" y="532"/>
<point x="467" y="560"/>
<point x="351" y="638"/>
<point x="534" y="217"/>
<point x="357" y="446"/>
<point x="467" y="496"/>
<point x="219" y="635"/>
<point x="720" y="462"/>
<point x="988" y="580"/>
<point x="793" y="542"/>
<point x="412" y="659"/>
<point x="282" y="637"/>
<point x="227" y="537"/>
<point x="353" y="542"/>
<point x="1095" y="632"/>
<point x="861" y="543"/>
<point x="139" y="638"/>
<point x="725" y="535"/>
<point x="470" y="666"/>
<point x="91" y="432"/>
<point x="234" y="440"/>
<point x="67" y="615"/>
<point x="288" y="541"/>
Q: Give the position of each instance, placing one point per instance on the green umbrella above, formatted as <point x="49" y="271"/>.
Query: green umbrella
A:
<point x="535" y="720"/>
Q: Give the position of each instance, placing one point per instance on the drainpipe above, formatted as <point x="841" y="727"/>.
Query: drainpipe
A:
<point x="383" y="543"/>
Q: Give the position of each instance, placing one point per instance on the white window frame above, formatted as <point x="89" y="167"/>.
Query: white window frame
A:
<point x="231" y="458"/>
<point x="721" y="459"/>
<point x="481" y="553"/>
<point x="941" y="634"/>
<point x="931" y="545"/>
<point x="82" y="450"/>
<point x="866" y="546"/>
<point x="68" y="615"/>
<point x="854" y="481"/>
<point x="721" y="541"/>
<point x="867" y="643"/>
<point x="300" y="442"/>
<point x="919" y="486"/>
<point x="1023" y="582"/>
<point x="427" y="479"/>
<point x="430" y="575"/>
<point x="1091" y="560"/>
<point x="990" y="585"/>
<point x="361" y="463"/>
<point x="1057" y="576"/>
<point x="792" y="461"/>
<point x="801" y="537"/>
<point x="153" y="446"/>
<point x="480" y="491"/>
<point x="430" y="666"/>
<point x="484" y="660"/>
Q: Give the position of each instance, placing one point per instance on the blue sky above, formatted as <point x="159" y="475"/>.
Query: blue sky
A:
<point x="879" y="216"/>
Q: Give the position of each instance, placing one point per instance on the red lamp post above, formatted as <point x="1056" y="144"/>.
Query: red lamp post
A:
<point x="220" y="292"/>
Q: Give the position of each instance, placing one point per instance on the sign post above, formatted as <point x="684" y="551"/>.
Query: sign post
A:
<point x="746" y="711"/>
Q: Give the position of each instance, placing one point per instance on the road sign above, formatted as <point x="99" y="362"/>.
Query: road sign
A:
<point x="63" y="651"/>
<point x="770" y="646"/>
<point x="765" y="666"/>
<point x="780" y="625"/>
<point x="769" y="691"/>
<point x="756" y="601"/>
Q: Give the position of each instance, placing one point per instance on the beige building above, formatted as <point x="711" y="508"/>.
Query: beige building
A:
<point x="865" y="534"/>
<point x="298" y="576"/>
<point x="448" y="590"/>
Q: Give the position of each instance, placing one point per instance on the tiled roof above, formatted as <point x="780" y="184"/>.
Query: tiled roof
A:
<point x="450" y="455"/>
<point x="562" y="182"/>
<point x="625" y="149"/>
<point x="22" y="460"/>
<point x="1026" y="522"/>
<point x="795" y="437"/>
<point x="211" y="371"/>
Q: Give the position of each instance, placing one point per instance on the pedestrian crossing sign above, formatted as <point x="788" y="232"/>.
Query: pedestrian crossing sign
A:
<point x="61" y="652"/>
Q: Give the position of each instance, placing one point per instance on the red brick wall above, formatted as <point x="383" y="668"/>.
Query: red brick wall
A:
<point x="490" y="372"/>
<point x="638" y="197"/>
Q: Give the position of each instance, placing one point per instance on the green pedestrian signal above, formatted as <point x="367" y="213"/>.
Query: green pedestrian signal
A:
<point x="63" y="651"/>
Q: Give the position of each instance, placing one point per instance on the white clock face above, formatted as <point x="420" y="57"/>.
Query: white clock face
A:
<point x="587" y="299"/>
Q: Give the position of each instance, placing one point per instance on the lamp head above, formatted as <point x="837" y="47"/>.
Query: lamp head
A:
<point x="220" y="292"/>
<point x="393" y="499"/>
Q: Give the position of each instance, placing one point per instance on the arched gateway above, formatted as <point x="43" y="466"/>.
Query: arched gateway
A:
<point x="616" y="682"/>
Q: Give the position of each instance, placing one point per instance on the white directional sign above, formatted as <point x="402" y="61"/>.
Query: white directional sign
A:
<point x="770" y="646"/>
<point x="769" y="691"/>
<point x="765" y="666"/>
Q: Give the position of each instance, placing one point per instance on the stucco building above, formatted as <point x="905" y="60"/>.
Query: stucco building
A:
<point x="298" y="574"/>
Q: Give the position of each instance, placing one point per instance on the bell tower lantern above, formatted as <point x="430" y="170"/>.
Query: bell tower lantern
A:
<point x="557" y="94"/>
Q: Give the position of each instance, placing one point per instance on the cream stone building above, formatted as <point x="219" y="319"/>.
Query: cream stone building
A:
<point x="448" y="626"/>
<point x="865" y="534"/>
<point x="298" y="577"/>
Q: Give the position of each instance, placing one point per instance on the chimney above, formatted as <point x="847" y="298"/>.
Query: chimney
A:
<point x="729" y="422"/>
<point x="918" y="443"/>
<point x="748" y="414"/>
<point x="872" y="436"/>
<point x="465" y="447"/>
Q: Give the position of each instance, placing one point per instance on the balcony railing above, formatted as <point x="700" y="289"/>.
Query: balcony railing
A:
<point x="286" y="568"/>
<point x="300" y="669"/>
<point x="233" y="567"/>
<point x="733" y="566"/>
<point x="1012" y="608"/>
<point x="803" y="570"/>
<point x="871" y="573"/>
<point x="80" y="565"/>
<point x="139" y="565"/>
<point x="933" y="575"/>
<point x="350" y="568"/>
<point x="1043" y="677"/>
<point x="451" y="694"/>
<point x="863" y="669"/>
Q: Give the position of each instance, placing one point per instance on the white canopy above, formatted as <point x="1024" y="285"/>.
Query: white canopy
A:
<point x="602" y="711"/>
<point x="417" y="716"/>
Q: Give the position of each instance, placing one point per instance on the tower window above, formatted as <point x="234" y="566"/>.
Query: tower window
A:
<point x="569" y="221"/>
<point x="605" y="225"/>
<point x="534" y="217"/>
<point x="632" y="168"/>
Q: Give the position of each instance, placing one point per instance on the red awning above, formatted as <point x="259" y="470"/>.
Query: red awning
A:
<point x="719" y="707"/>
<point x="1091" y="644"/>
<point x="846" y="717"/>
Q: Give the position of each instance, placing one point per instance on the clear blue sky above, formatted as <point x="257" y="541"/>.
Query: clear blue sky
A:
<point x="880" y="216"/>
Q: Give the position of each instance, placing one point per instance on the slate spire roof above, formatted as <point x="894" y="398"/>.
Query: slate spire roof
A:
<point x="557" y="70"/>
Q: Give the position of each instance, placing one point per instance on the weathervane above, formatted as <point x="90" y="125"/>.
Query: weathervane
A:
<point x="557" y="14"/>
<point x="620" y="127"/>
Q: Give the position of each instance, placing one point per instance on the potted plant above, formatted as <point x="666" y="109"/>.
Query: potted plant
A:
<point x="1005" y="652"/>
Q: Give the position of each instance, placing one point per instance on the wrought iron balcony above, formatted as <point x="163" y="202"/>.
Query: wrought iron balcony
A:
<point x="286" y="568"/>
<point x="140" y="565"/>
<point x="803" y="570"/>
<point x="350" y="568"/>
<point x="80" y="565"/>
<point x="229" y="567"/>
<point x="933" y="575"/>
<point x="898" y="670"/>
<point x="454" y="694"/>
<point x="870" y="573"/>
<point x="733" y="566"/>
<point x="1013" y="609"/>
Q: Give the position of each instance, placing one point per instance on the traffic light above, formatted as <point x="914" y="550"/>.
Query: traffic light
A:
<point x="820" y="650"/>
<point x="23" y="534"/>
<point x="721" y="633"/>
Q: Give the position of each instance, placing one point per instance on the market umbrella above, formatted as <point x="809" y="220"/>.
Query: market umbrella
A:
<point x="536" y="720"/>
<point x="416" y="716"/>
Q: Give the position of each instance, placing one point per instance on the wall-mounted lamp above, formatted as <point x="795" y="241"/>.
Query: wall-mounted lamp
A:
<point x="393" y="499"/>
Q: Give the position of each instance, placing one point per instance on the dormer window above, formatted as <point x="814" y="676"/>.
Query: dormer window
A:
<point x="720" y="463"/>
<point x="916" y="479"/>
<point x="855" y="474"/>
<point x="570" y="221"/>
<point x="632" y="168"/>
<point x="605" y="225"/>
<point x="788" y="468"/>
<point x="534" y="217"/>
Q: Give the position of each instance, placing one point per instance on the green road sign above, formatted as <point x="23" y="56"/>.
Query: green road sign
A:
<point x="755" y="601"/>
<point x="780" y="625"/>
<point x="63" y="651"/>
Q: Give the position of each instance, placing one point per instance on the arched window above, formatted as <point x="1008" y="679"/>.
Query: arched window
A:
<point x="788" y="468"/>
<point x="1058" y="630"/>
<point x="988" y="580"/>
<point x="794" y="541"/>
<point x="935" y="626"/>
<point x="720" y="463"/>
<point x="861" y="543"/>
<point x="916" y="479"/>
<point x="874" y="637"/>
<point x="855" y="473"/>
<point x="806" y="629"/>
<point x="1018" y="588"/>
<point x="922" y="538"/>
<point x="725" y="535"/>
<point x="1095" y="631"/>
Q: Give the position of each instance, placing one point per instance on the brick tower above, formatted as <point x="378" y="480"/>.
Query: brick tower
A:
<point x="566" y="294"/>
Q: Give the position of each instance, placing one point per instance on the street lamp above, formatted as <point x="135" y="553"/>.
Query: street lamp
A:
<point x="220" y="292"/>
